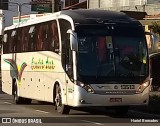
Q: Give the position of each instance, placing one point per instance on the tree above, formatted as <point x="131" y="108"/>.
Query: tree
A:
<point x="155" y="26"/>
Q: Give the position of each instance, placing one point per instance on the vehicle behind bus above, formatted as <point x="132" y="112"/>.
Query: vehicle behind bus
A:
<point x="154" y="56"/>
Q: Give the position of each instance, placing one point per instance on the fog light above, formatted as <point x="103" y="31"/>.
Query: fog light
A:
<point x="82" y="101"/>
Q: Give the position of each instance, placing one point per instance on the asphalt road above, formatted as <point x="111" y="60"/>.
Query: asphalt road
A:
<point x="45" y="114"/>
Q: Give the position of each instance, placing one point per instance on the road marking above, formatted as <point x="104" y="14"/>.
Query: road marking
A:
<point x="42" y="111"/>
<point x="96" y="123"/>
<point x="7" y="103"/>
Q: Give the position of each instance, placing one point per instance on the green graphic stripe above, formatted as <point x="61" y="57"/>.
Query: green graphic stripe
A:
<point x="11" y="62"/>
<point x="21" y="70"/>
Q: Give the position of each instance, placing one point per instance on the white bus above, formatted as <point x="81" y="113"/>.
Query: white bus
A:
<point x="77" y="58"/>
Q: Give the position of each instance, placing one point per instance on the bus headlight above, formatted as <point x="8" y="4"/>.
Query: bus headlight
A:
<point x="87" y="87"/>
<point x="142" y="87"/>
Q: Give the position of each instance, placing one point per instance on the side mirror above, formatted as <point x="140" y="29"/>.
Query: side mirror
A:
<point x="73" y="40"/>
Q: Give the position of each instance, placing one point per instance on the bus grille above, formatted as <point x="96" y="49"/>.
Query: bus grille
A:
<point x="115" y="92"/>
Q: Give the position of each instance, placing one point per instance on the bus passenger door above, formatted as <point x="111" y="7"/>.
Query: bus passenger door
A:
<point x="69" y="72"/>
<point x="67" y="60"/>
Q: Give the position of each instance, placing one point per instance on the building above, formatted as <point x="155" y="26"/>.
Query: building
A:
<point x="26" y="8"/>
<point x="82" y="4"/>
<point x="25" y="18"/>
<point x="114" y="3"/>
<point x="13" y="10"/>
<point x="150" y="6"/>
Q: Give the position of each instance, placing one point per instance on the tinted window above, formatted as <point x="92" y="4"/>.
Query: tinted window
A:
<point x="39" y="37"/>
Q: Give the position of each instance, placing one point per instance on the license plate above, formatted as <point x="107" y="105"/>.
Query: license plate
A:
<point x="127" y="86"/>
<point x="115" y="100"/>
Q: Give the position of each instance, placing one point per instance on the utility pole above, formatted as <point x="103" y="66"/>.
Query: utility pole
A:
<point x="53" y="6"/>
<point x="144" y="5"/>
<point x="99" y="3"/>
<point x="88" y="1"/>
<point x="19" y="12"/>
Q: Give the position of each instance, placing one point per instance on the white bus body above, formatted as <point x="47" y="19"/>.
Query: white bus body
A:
<point x="46" y="66"/>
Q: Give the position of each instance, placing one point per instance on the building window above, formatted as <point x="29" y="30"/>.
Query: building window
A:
<point x="71" y="2"/>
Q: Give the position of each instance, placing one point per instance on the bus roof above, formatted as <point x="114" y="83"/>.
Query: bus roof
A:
<point x="34" y="21"/>
<point x="83" y="16"/>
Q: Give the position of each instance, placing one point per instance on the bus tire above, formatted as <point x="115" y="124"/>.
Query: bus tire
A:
<point x="27" y="101"/>
<point x="17" y="99"/>
<point x="121" y="110"/>
<point x="61" y="108"/>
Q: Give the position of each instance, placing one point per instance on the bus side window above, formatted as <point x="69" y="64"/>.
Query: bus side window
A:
<point x="39" y="37"/>
<point x="45" y="37"/>
<point x="54" y="39"/>
<point x="15" y="36"/>
<point x="24" y="39"/>
<point x="19" y="43"/>
<point x="9" y="45"/>
<point x="6" y="44"/>
<point x="10" y="42"/>
<point x="32" y="37"/>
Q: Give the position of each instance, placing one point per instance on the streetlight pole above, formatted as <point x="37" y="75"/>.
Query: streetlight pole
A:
<point x="88" y="1"/>
<point x="19" y="12"/>
<point x="53" y="7"/>
<point x="144" y="5"/>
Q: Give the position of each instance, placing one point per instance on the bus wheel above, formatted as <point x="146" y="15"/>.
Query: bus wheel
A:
<point x="121" y="110"/>
<point x="17" y="99"/>
<point x="61" y="108"/>
<point x="27" y="101"/>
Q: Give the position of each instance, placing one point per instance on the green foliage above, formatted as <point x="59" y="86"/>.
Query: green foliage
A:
<point x="155" y="26"/>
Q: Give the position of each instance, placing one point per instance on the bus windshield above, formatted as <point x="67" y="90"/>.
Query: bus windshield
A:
<point x="111" y="53"/>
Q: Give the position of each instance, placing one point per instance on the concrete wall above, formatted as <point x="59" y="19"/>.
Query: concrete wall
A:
<point x="12" y="11"/>
<point x="129" y="5"/>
